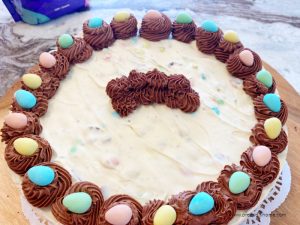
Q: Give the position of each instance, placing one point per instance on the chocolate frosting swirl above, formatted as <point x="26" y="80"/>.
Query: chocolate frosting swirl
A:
<point x="48" y="87"/>
<point x="39" y="109"/>
<point x="122" y="199"/>
<point x="42" y="196"/>
<point x="246" y="199"/>
<point x="153" y="87"/>
<point x="78" y="52"/>
<point x="259" y="137"/>
<point x="63" y="215"/>
<point x="254" y="88"/>
<point x="149" y="211"/>
<point x="207" y="42"/>
<point x="154" y="29"/>
<point x="20" y="163"/>
<point x="236" y="68"/>
<point x="267" y="173"/>
<point x="225" y="49"/>
<point x="184" y="32"/>
<point x="262" y="112"/>
<point x="124" y="29"/>
<point x="98" y="38"/>
<point x="60" y="69"/>
<point x="33" y="126"/>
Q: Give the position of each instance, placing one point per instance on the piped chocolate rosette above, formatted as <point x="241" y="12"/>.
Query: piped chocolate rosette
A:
<point x="23" y="152"/>
<point x="153" y="87"/>
<point x="208" y="37"/>
<point x="270" y="105"/>
<point x="124" y="25"/>
<point x="240" y="185"/>
<point x="44" y="183"/>
<point x="184" y="28"/>
<point x="270" y="134"/>
<point x="261" y="83"/>
<point x="40" y="83"/>
<point x="76" y="49"/>
<point x="97" y="33"/>
<point x="54" y="64"/>
<point x="229" y="43"/>
<point x="155" y="26"/>
<point x="243" y="63"/>
<point x="80" y="205"/>
<point x="28" y="102"/>
<point x="262" y="163"/>
<point x="20" y="123"/>
<point x="120" y="209"/>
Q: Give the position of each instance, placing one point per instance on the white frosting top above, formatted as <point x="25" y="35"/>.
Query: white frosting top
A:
<point x="155" y="151"/>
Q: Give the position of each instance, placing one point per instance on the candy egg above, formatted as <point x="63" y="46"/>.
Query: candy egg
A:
<point x="273" y="127"/>
<point x="95" y="22"/>
<point x="78" y="202"/>
<point x="261" y="155"/>
<point x="16" y="120"/>
<point x="65" y="40"/>
<point x="25" y="146"/>
<point x="239" y="182"/>
<point x="272" y="101"/>
<point x="165" y="215"/>
<point x="184" y="18"/>
<point x="32" y="81"/>
<point x="246" y="57"/>
<point x="209" y="26"/>
<point x="122" y="16"/>
<point x="265" y="77"/>
<point x="25" y="99"/>
<point x="201" y="203"/>
<point x="47" y="60"/>
<point x="41" y="175"/>
<point x="152" y="14"/>
<point x="231" y="36"/>
<point x="119" y="215"/>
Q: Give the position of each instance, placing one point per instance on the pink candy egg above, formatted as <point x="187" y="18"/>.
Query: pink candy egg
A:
<point x="261" y="155"/>
<point x="246" y="57"/>
<point x="119" y="215"/>
<point x="152" y="14"/>
<point x="47" y="60"/>
<point x="16" y="120"/>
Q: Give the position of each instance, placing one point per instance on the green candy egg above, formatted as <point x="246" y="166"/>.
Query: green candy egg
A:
<point x="78" y="202"/>
<point x="239" y="182"/>
<point x="265" y="77"/>
<point x="65" y="40"/>
<point x="184" y="18"/>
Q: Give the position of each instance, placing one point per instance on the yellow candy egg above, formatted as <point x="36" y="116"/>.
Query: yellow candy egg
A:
<point x="25" y="146"/>
<point x="121" y="16"/>
<point x="272" y="127"/>
<point x="32" y="81"/>
<point x="231" y="36"/>
<point x="165" y="215"/>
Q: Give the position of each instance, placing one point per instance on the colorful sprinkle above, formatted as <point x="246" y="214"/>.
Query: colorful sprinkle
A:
<point x="134" y="40"/>
<point x="216" y="110"/>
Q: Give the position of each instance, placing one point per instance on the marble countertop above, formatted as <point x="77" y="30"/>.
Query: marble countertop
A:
<point x="271" y="28"/>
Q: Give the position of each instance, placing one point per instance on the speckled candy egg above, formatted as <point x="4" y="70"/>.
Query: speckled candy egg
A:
<point x="16" y="120"/>
<point x="25" y="146"/>
<point x="41" y="175"/>
<point x="165" y="215"/>
<point x="272" y="127"/>
<point x="122" y="16"/>
<point x="201" y="203"/>
<point x="272" y="101"/>
<point x="32" y="81"/>
<point x="265" y="77"/>
<point x="25" y="99"/>
<point x="65" y="40"/>
<point x="78" y="202"/>
<point x="239" y="182"/>
<point x="246" y="57"/>
<point x="231" y="36"/>
<point x="119" y="215"/>
<point x="184" y="18"/>
<point x="95" y="22"/>
<point x="209" y="26"/>
<point x="47" y="60"/>
<point x="152" y="14"/>
<point x="261" y="155"/>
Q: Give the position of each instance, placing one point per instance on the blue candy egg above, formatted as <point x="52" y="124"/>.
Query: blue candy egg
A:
<point x="41" y="175"/>
<point x="25" y="99"/>
<point x="210" y="26"/>
<point x="272" y="101"/>
<point x="201" y="203"/>
<point x="95" y="22"/>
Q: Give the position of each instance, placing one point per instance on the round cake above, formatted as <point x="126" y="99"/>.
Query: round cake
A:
<point x="160" y="123"/>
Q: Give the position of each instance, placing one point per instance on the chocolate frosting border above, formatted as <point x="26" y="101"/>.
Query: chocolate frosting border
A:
<point x="254" y="87"/>
<point x="207" y="42"/>
<point x="225" y="49"/>
<point x="125" y="29"/>
<point x="184" y="32"/>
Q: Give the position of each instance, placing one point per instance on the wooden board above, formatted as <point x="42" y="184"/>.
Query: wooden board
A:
<point x="287" y="214"/>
